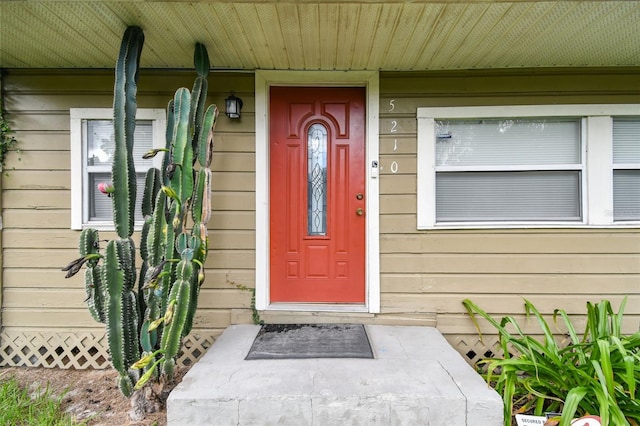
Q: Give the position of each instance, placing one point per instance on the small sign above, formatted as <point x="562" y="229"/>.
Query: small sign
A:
<point x="526" y="420"/>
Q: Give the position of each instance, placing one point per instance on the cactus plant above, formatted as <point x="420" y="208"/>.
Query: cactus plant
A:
<point x="145" y="324"/>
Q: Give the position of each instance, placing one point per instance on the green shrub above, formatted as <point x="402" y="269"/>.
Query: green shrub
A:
<point x="596" y="373"/>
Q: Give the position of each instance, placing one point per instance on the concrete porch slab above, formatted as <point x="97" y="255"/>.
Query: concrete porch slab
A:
<point x="416" y="378"/>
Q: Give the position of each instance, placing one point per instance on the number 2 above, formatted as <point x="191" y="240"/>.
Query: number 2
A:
<point x="394" y="126"/>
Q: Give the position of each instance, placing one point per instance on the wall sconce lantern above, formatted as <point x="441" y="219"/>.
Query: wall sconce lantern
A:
<point x="233" y="106"/>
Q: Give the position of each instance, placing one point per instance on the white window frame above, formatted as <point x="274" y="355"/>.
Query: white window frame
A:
<point x="79" y="190"/>
<point x="597" y="161"/>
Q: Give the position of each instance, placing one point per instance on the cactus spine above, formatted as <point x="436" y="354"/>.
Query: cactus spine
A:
<point x="145" y="324"/>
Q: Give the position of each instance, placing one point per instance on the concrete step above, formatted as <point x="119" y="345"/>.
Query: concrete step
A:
<point x="416" y="378"/>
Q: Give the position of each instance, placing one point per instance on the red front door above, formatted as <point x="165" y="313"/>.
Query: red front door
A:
<point x="317" y="198"/>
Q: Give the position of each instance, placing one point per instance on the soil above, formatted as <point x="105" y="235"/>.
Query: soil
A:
<point x="90" y="396"/>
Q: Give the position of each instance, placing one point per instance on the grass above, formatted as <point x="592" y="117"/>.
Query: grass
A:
<point x="19" y="407"/>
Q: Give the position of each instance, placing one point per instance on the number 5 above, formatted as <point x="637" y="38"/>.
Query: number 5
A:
<point x="392" y="105"/>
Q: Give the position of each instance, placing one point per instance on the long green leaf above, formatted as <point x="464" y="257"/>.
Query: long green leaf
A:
<point x="574" y="396"/>
<point x="605" y="363"/>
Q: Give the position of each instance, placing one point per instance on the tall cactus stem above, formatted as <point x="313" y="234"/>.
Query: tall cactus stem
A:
<point x="205" y="143"/>
<point x="124" y="108"/>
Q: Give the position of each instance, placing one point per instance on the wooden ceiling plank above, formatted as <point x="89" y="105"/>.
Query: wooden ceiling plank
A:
<point x="475" y="32"/>
<point x="586" y="38"/>
<point x="367" y="23"/>
<point x="289" y="26"/>
<point x="329" y="41"/>
<point x="443" y="26"/>
<point x="254" y="32"/>
<point x="407" y="34"/>
<point x="386" y="35"/>
<point x="226" y="52"/>
<point x="349" y="17"/>
<point x="508" y="36"/>
<point x="430" y="26"/>
<point x="310" y="27"/>
<point x="459" y="30"/>
<point x="270" y="26"/>
<point x="32" y="43"/>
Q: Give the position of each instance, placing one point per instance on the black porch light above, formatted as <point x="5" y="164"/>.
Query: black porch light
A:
<point x="233" y="106"/>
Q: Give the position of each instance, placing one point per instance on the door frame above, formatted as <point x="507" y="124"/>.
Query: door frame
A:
<point x="264" y="79"/>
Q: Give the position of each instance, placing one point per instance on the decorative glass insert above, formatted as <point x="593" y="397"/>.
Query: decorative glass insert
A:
<point x="317" y="180"/>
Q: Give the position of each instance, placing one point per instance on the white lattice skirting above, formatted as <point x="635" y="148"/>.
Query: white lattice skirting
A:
<point x="77" y="350"/>
<point x="89" y="350"/>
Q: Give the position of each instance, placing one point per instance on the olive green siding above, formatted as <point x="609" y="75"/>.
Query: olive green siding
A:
<point x="424" y="274"/>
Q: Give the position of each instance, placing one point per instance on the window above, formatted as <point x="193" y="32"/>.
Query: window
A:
<point x="562" y="165"/>
<point x="626" y="168"/>
<point x="92" y="147"/>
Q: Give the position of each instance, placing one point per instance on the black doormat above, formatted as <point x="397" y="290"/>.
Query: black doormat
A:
<point x="295" y="341"/>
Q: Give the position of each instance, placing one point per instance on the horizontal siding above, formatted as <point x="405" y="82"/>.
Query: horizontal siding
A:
<point x="425" y="275"/>
<point x="510" y="263"/>
<point x="59" y="179"/>
<point x="36" y="198"/>
<point x="596" y="285"/>
<point x="433" y="271"/>
<point x="506" y="242"/>
<point x="77" y="319"/>
<point x="461" y="325"/>
<point x="446" y="303"/>
<point x="67" y="298"/>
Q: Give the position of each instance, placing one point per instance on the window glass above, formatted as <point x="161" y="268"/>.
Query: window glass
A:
<point x="626" y="140"/>
<point x="508" y="196"/>
<point x="317" y="180"/>
<point x="100" y="143"/>
<point x="626" y="168"/>
<point x="507" y="142"/>
<point x="500" y="170"/>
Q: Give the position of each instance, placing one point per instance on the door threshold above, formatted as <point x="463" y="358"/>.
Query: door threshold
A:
<point x="318" y="307"/>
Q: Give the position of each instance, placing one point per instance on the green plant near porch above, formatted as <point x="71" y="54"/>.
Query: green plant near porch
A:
<point x="7" y="140"/>
<point x="147" y="312"/>
<point x="596" y="373"/>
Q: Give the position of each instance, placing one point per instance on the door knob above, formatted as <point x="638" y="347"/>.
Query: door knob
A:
<point x="359" y="211"/>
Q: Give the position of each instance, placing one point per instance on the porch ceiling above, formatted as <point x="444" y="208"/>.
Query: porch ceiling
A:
<point x="323" y="34"/>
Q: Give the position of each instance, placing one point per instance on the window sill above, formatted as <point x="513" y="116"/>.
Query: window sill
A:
<point x="529" y="225"/>
<point x="108" y="226"/>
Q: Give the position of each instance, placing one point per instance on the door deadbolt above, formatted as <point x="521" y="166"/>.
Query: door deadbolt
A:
<point x="359" y="196"/>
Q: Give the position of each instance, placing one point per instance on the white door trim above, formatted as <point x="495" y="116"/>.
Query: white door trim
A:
<point x="367" y="79"/>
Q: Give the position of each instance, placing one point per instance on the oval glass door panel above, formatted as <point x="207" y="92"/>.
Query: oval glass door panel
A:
<point x="317" y="180"/>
